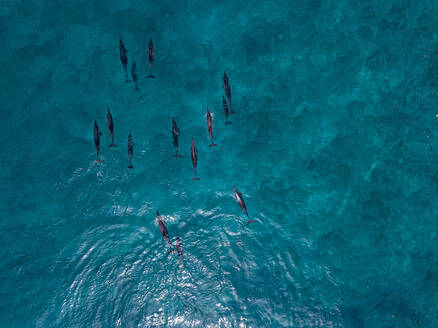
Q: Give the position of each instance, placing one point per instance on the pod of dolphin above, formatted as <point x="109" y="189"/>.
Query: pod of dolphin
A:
<point x="175" y="133"/>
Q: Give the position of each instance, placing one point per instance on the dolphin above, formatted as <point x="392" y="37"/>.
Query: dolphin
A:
<point x="175" y="134"/>
<point x="97" y="135"/>
<point x="227" y="113"/>
<point x="210" y="127"/>
<point x="228" y="91"/>
<point x="130" y="150"/>
<point x="163" y="229"/>
<point x="194" y="153"/>
<point x="178" y="249"/>
<point x="134" y="74"/>
<point x="124" y="58"/>
<point x="150" y="58"/>
<point x="238" y="197"/>
<point x="110" y="127"/>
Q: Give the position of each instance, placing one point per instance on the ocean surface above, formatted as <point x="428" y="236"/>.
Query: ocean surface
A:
<point x="334" y="147"/>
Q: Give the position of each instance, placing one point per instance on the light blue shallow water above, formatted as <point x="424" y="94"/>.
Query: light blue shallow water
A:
<point x="333" y="146"/>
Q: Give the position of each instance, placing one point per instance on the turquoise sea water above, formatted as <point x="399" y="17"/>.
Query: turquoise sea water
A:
<point x="334" y="148"/>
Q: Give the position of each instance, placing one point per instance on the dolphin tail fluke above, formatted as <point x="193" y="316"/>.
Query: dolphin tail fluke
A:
<point x="232" y="112"/>
<point x="151" y="76"/>
<point x="227" y="123"/>
<point x="250" y="221"/>
<point x="170" y="252"/>
<point x="196" y="178"/>
<point x="212" y="145"/>
<point x="112" y="145"/>
<point x="177" y="156"/>
<point x="130" y="166"/>
<point x="98" y="160"/>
